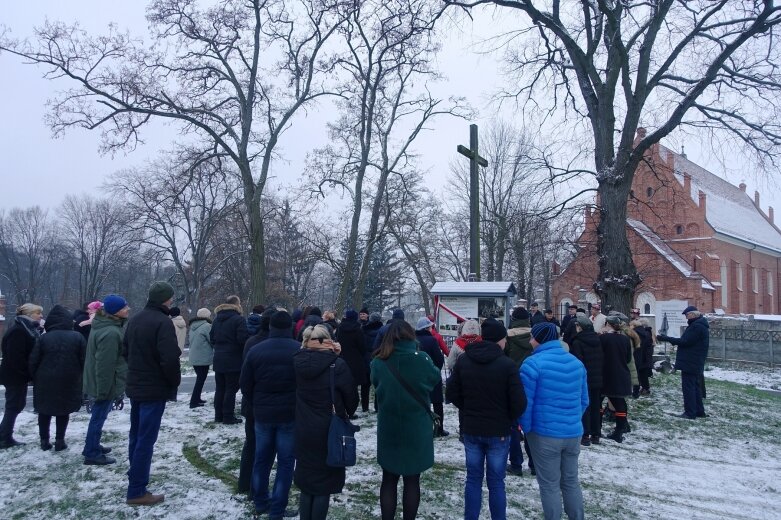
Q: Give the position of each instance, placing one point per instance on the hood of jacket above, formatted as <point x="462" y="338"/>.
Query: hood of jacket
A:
<point x="197" y="323"/>
<point x="373" y="325"/>
<point x="484" y="352"/>
<point x="310" y="363"/>
<point x="350" y="326"/>
<point x="227" y="307"/>
<point x="101" y="321"/>
<point x="515" y="324"/>
<point x="59" y="318"/>
<point x="179" y="322"/>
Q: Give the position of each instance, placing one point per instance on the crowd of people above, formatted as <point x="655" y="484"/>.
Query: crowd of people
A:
<point x="541" y="387"/>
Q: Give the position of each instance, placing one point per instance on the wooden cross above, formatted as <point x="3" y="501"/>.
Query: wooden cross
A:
<point x="475" y="160"/>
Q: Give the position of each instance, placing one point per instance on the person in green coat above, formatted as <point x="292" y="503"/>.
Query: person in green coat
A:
<point x="405" y="435"/>
<point x="201" y="353"/>
<point x="105" y="373"/>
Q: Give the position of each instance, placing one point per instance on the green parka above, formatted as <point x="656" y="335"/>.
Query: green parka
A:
<point x="405" y="437"/>
<point x="105" y="370"/>
<point x="519" y="345"/>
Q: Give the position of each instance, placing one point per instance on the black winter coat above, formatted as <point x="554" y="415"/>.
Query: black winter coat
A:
<point x="313" y="417"/>
<point x="692" y="346"/>
<point x="268" y="382"/>
<point x="588" y="349"/>
<point x="430" y="345"/>
<point x="57" y="364"/>
<point x="644" y="355"/>
<point x="616" y="378"/>
<point x="536" y="318"/>
<point x="228" y="336"/>
<point x="78" y="317"/>
<point x="370" y="331"/>
<point x="152" y="354"/>
<point x="17" y="345"/>
<point x="565" y="321"/>
<point x="486" y="388"/>
<point x="350" y="337"/>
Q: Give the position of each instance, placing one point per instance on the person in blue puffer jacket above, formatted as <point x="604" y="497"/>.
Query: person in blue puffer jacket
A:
<point x="556" y="396"/>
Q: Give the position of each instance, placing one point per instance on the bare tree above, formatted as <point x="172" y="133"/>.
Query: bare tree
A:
<point x="97" y="231"/>
<point x="233" y="74"/>
<point x="389" y="49"/>
<point x="666" y="63"/>
<point x="28" y="250"/>
<point x="178" y="215"/>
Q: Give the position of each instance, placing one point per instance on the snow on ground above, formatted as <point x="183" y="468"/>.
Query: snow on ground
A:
<point x="725" y="466"/>
<point x="758" y="376"/>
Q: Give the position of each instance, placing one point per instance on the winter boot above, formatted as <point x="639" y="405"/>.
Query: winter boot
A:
<point x="585" y="440"/>
<point x="595" y="439"/>
<point x="617" y="436"/>
<point x="59" y="445"/>
<point x="46" y="445"/>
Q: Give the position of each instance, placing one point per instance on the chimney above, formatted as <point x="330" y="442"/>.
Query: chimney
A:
<point x="687" y="184"/>
<point x="770" y="214"/>
<point x="742" y="187"/>
<point x="756" y="198"/>
<point x="702" y="200"/>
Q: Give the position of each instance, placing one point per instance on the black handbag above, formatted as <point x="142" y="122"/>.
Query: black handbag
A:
<point x="436" y="422"/>
<point x="341" y="435"/>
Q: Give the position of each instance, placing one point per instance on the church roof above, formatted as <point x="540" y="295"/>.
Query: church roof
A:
<point x="729" y="210"/>
<point x="661" y="247"/>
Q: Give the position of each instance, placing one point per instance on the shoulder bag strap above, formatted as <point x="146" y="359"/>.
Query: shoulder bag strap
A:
<point x="408" y="388"/>
<point x="332" y="385"/>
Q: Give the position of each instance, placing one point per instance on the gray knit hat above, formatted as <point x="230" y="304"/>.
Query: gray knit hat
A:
<point x="160" y="292"/>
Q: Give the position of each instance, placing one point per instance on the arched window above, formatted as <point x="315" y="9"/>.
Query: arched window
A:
<point x="647" y="308"/>
<point x="649" y="192"/>
<point x="755" y="280"/>
<point x="724" y="284"/>
<point x="770" y="283"/>
<point x="679" y="230"/>
<point x="739" y="277"/>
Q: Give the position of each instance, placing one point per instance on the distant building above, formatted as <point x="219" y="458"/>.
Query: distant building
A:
<point x="695" y="238"/>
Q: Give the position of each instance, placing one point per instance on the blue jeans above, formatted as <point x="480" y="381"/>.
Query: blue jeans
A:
<point x="692" y="394"/>
<point x="271" y="438"/>
<point x="100" y="410"/>
<point x="145" y="417"/>
<point x="556" y="462"/>
<point x="485" y="455"/>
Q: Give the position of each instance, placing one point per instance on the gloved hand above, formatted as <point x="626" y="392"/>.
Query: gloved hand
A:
<point x="662" y="337"/>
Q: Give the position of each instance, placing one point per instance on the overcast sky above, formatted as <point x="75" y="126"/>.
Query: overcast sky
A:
<point x="37" y="169"/>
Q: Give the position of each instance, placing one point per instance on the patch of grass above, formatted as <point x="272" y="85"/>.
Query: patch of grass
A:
<point x="194" y="457"/>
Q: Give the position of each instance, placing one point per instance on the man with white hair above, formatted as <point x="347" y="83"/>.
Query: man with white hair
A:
<point x="690" y="360"/>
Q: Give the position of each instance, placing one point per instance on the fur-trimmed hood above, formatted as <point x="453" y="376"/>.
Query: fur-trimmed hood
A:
<point x="228" y="307"/>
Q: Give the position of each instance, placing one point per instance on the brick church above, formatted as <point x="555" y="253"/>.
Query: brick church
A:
<point x="694" y="237"/>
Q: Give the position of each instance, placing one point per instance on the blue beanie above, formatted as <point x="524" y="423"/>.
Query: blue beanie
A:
<point x="351" y="315"/>
<point x="544" y="332"/>
<point x="112" y="304"/>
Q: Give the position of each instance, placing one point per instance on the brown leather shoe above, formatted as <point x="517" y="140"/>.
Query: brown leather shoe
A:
<point x="147" y="499"/>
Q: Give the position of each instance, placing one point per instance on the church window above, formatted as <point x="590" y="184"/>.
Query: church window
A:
<point x="755" y="279"/>
<point x="649" y="192"/>
<point x="770" y="283"/>
<point x="679" y="230"/>
<point x="739" y="277"/>
<point x="724" y="284"/>
<point x="647" y="308"/>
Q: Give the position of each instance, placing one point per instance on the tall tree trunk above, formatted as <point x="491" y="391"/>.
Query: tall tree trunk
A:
<point x="257" y="253"/>
<point x="617" y="272"/>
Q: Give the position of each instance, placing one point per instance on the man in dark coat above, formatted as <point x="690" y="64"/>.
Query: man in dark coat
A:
<point x="588" y="349"/>
<point x="268" y="384"/>
<point x="153" y="375"/>
<point x="228" y="337"/>
<point x="690" y="360"/>
<point x="565" y="322"/>
<point x="56" y="365"/>
<point x="398" y="315"/>
<point x="430" y="345"/>
<point x="487" y="390"/>
<point x="535" y="315"/>
<point x="351" y="338"/>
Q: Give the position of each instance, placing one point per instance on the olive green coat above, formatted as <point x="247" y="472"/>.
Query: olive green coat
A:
<point x="105" y="370"/>
<point x="519" y="346"/>
<point x="405" y="437"/>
